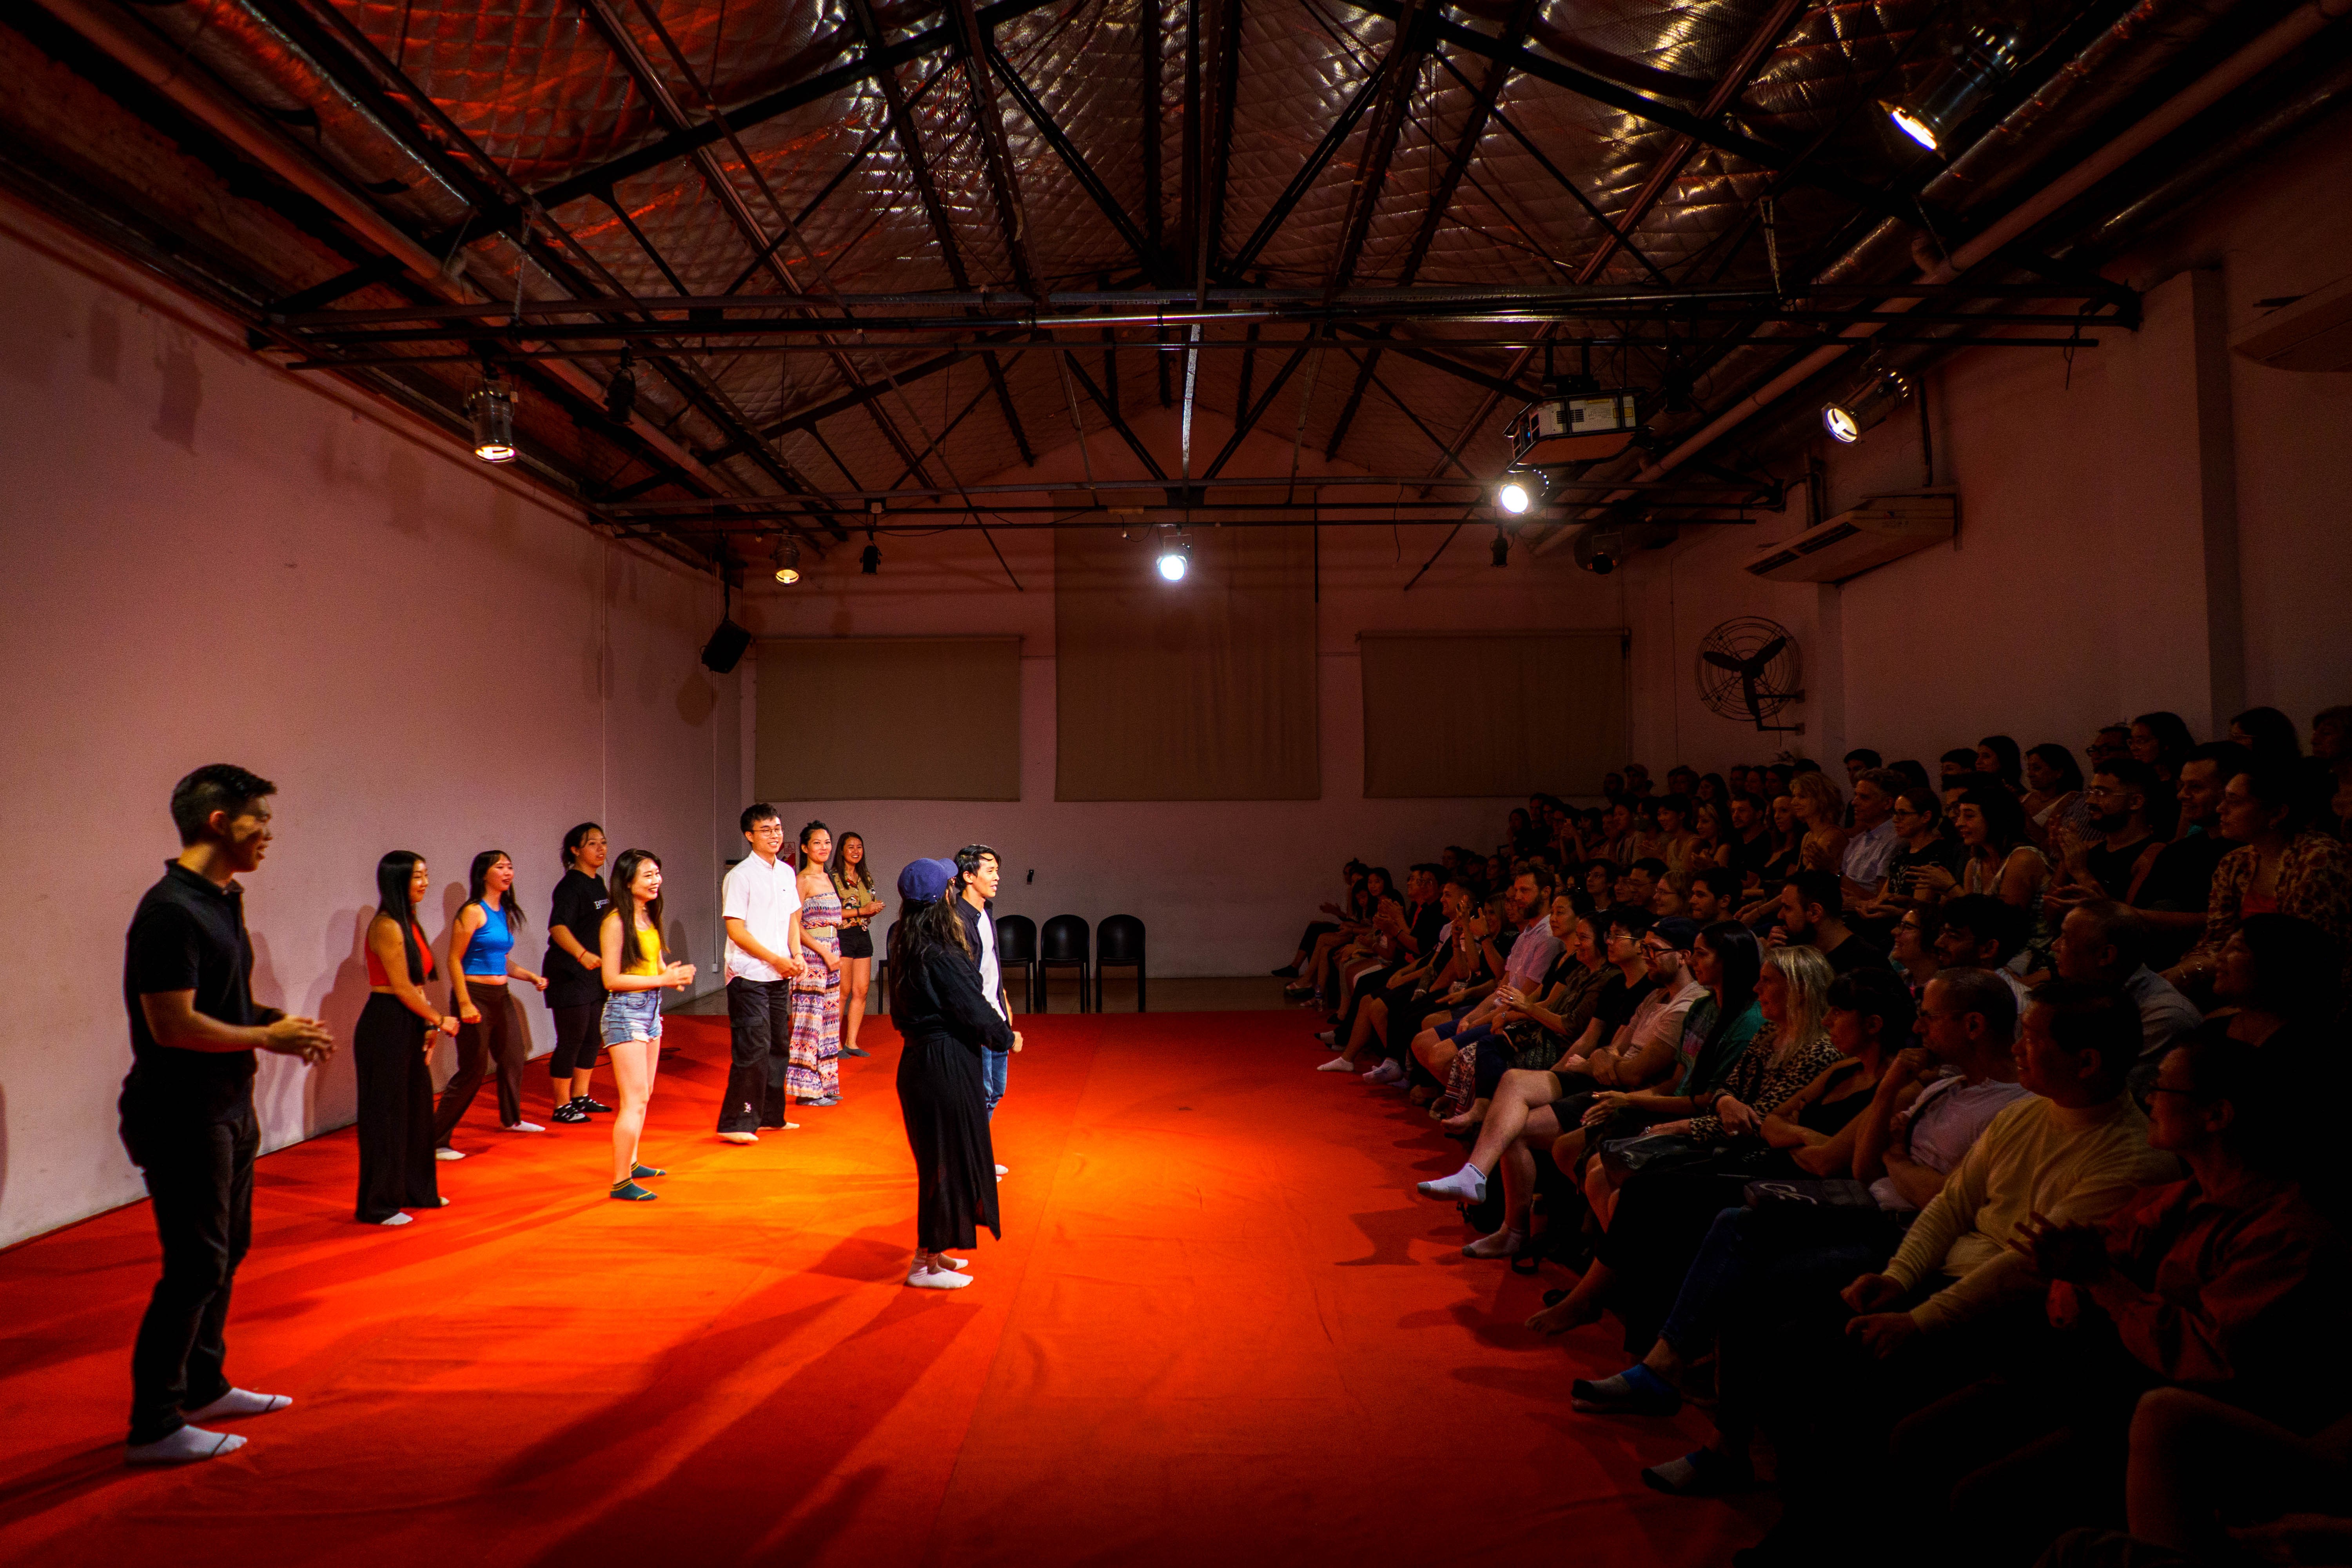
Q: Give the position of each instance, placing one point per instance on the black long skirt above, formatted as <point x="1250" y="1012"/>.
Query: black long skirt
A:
<point x="947" y="1127"/>
<point x="395" y="1108"/>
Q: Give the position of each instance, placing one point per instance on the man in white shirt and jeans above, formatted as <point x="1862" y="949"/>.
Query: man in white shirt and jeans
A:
<point x="983" y="873"/>
<point x="759" y="902"/>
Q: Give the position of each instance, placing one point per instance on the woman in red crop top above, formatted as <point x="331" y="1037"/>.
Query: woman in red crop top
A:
<point x="391" y="1048"/>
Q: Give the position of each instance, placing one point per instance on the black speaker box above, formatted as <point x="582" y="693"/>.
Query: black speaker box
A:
<point x="725" y="647"/>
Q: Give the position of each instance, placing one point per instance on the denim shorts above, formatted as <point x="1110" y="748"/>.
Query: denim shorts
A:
<point x="632" y="1016"/>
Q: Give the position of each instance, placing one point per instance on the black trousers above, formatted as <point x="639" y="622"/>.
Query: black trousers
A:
<point x="760" y="1027"/>
<point x="499" y="1038"/>
<point x="200" y="1183"/>
<point x="395" y="1112"/>
<point x="577" y="1034"/>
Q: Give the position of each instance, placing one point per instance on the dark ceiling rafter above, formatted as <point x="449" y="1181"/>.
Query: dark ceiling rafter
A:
<point x="996" y="155"/>
<point x="1342" y="125"/>
<point x="1246" y="414"/>
<point x="1110" y="411"/>
<point x="910" y="147"/>
<point x="1522" y="17"/>
<point x="1035" y="109"/>
<point x="348" y="58"/>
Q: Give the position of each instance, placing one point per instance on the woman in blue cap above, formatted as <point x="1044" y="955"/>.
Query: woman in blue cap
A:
<point x="947" y="1022"/>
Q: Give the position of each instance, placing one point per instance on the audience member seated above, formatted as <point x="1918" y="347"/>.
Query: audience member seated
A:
<point x="1999" y="761"/>
<point x="2113" y="859"/>
<point x="1819" y="807"/>
<point x="1639" y="1055"/>
<point x="2277" y="979"/>
<point x="2053" y="791"/>
<point x="1917" y="819"/>
<point x="2268" y="735"/>
<point x="1750" y="842"/>
<point x="1872" y="845"/>
<point x="2160" y="741"/>
<point x="2282" y="865"/>
<point x="1654" y="1194"/>
<point x="1869" y="1015"/>
<point x="1714" y="896"/>
<point x="1957" y="768"/>
<point x="1533" y="1034"/>
<point x="1999" y="860"/>
<point x="1517" y="964"/>
<point x="2180" y="887"/>
<point x="2225" y="1283"/>
<point x="1912" y="956"/>
<point x="1959" y="1300"/>
<point x="1350" y="907"/>
<point x="2104" y="944"/>
<point x="1812" y="914"/>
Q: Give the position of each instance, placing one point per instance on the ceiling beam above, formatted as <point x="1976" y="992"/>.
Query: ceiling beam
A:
<point x="1110" y="411"/>
<point x="996" y="155"/>
<point x="1072" y="159"/>
<point x="1312" y="170"/>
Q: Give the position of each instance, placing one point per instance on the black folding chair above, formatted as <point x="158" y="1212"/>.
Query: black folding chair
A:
<point x="1064" y="945"/>
<point x="1119" y="940"/>
<point x="1016" y="943"/>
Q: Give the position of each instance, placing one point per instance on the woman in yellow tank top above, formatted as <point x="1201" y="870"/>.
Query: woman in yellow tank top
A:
<point x="635" y="971"/>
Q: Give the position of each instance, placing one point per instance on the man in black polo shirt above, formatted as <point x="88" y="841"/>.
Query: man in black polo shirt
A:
<point x="187" y="1108"/>
<point x="1812" y="912"/>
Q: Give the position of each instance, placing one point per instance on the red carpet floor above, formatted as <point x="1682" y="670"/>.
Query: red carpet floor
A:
<point x="1221" y="1329"/>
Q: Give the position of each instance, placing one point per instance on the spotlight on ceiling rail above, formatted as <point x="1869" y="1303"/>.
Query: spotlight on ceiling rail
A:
<point x="1974" y="67"/>
<point x="1502" y="546"/>
<point x="787" y="560"/>
<point x="1521" y="491"/>
<point x="1867" y="402"/>
<point x="621" y="393"/>
<point x="869" y="559"/>
<point x="1175" y="554"/>
<point x="490" y="410"/>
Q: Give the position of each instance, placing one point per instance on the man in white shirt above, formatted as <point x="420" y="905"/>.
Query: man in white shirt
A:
<point x="982" y="874"/>
<point x="2104" y="943"/>
<point x="759" y="903"/>
<point x="1874" y="842"/>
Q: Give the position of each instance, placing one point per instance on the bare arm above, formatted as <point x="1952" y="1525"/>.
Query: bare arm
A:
<point x="172" y="1017"/>
<point x="391" y="949"/>
<point x="1899" y="1089"/>
<point x="469" y="920"/>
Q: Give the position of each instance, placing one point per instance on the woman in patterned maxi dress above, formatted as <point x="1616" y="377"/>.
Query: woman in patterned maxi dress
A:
<point x="814" y="1077"/>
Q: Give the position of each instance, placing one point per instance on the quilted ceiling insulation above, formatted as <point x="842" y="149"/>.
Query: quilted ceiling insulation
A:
<point x="841" y="150"/>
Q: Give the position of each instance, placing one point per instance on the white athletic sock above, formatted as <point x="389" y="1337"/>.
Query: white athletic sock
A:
<point x="1468" y="1183"/>
<point x="1338" y="1064"/>
<point x="938" y="1280"/>
<point x="183" y="1447"/>
<point x="240" y="1402"/>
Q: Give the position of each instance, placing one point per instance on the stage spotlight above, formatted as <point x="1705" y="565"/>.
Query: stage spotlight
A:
<point x="1520" y="493"/>
<point x="621" y="394"/>
<point x="1175" y="556"/>
<point x="1871" y="398"/>
<point x="787" y="560"/>
<point x="490" y="408"/>
<point x="1502" y="546"/>
<point x="869" y="559"/>
<point x="1976" y="65"/>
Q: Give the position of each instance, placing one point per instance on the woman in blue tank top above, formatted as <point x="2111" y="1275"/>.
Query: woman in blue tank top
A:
<point x="481" y="957"/>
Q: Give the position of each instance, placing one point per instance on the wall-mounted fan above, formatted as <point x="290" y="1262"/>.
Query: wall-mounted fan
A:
<point x="1748" y="669"/>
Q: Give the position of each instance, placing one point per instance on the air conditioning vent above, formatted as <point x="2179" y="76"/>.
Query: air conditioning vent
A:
<point x="2311" y="332"/>
<point x="1882" y="528"/>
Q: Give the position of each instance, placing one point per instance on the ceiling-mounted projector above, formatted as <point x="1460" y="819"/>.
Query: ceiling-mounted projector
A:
<point x="1578" y="425"/>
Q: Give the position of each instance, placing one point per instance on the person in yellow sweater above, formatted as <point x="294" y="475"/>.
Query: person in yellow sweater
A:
<point x="2072" y="1153"/>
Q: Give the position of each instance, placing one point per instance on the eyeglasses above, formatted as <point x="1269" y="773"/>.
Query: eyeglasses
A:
<point x="1656" y="950"/>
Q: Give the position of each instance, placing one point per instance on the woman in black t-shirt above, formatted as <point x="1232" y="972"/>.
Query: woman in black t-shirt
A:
<point x="574" y="970"/>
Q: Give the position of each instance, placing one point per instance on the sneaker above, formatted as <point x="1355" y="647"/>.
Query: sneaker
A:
<point x="826" y="1101"/>
<point x="629" y="1192"/>
<point x="596" y="1105"/>
<point x="1004" y="1171"/>
<point x="448" y="1155"/>
<point x="641" y="1172"/>
<point x="1387" y="1072"/>
<point x="525" y="1127"/>
<point x="569" y="1111"/>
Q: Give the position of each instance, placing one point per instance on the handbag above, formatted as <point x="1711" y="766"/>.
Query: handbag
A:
<point x="1818" y="1211"/>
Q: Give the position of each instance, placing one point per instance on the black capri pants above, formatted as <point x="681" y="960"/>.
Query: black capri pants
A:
<point x="576" y="1039"/>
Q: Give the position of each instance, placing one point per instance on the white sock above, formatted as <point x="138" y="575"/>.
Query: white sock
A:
<point x="183" y="1447"/>
<point x="938" y="1280"/>
<point x="1468" y="1183"/>
<point x="240" y="1402"/>
<point x="1338" y="1064"/>
<point x="394" y="1218"/>
<point x="1004" y="1171"/>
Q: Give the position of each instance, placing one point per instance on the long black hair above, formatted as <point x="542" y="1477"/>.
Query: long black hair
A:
<point x="838" y="866"/>
<point x="391" y="874"/>
<point x="1739" y="961"/>
<point x="923" y="930"/>
<point x="480" y="875"/>
<point x="625" y="871"/>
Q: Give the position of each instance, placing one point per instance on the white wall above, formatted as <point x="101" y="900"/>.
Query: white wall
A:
<point x="209" y="560"/>
<point x="1222" y="886"/>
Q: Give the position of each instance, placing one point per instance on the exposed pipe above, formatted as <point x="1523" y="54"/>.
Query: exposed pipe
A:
<point x="2297" y="28"/>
